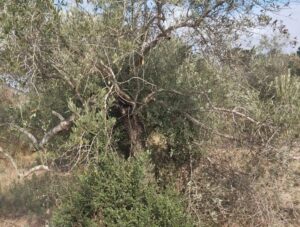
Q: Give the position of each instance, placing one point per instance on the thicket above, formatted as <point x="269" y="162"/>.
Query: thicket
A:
<point x="102" y="84"/>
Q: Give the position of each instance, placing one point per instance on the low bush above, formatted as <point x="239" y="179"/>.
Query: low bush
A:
<point x="120" y="193"/>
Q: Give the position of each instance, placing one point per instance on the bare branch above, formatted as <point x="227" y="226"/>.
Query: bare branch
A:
<point x="28" y="134"/>
<point x="63" y="125"/>
<point x="112" y="78"/>
<point x="56" y="114"/>
<point x="234" y="112"/>
<point x="34" y="169"/>
<point x="187" y="23"/>
<point x="27" y="173"/>
<point x="10" y="159"/>
<point x="237" y="114"/>
<point x="197" y="122"/>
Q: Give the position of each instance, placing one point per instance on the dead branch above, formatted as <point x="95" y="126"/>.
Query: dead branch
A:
<point x="8" y="156"/>
<point x="34" y="169"/>
<point x="197" y="122"/>
<point x="234" y="112"/>
<point x="27" y="173"/>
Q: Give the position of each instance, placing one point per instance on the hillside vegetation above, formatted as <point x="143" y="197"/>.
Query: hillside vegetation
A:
<point x="147" y="113"/>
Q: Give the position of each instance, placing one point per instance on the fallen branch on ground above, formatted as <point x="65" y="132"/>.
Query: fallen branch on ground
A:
<point x="234" y="112"/>
<point x="197" y="122"/>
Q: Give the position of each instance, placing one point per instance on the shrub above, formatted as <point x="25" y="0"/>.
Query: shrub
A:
<point x="120" y="193"/>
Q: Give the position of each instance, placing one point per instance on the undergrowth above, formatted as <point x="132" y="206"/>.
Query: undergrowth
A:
<point x="120" y="193"/>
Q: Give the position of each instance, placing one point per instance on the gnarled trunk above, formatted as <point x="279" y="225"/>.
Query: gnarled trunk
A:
<point x="135" y="131"/>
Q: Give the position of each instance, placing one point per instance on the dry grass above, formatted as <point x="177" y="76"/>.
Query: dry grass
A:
<point x="24" y="158"/>
<point x="25" y="221"/>
<point x="243" y="187"/>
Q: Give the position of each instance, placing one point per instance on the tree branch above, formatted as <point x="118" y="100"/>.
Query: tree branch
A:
<point x="237" y="114"/>
<point x="34" y="169"/>
<point x="165" y="33"/>
<point x="28" y="134"/>
<point x="112" y="78"/>
<point x="27" y="173"/>
<point x="61" y="118"/>
<point x="197" y="122"/>
<point x="10" y="159"/>
<point x="63" y="125"/>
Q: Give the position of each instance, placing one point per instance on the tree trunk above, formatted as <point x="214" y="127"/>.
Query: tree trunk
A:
<point x="135" y="131"/>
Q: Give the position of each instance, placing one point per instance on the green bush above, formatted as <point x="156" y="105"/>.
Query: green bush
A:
<point x="119" y="193"/>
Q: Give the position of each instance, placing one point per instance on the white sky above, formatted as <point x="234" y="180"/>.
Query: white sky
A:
<point x="291" y="18"/>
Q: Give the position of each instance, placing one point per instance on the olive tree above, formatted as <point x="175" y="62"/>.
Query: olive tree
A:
<point x="121" y="63"/>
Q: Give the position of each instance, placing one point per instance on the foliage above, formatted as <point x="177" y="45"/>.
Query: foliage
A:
<point x="105" y="82"/>
<point x="120" y="193"/>
<point x="66" y="52"/>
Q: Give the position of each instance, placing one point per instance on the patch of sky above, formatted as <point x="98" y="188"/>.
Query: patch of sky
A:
<point x="289" y="18"/>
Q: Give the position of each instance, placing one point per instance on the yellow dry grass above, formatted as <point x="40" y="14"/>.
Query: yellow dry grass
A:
<point x="8" y="175"/>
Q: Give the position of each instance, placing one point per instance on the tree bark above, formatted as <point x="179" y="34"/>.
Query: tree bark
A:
<point x="135" y="131"/>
